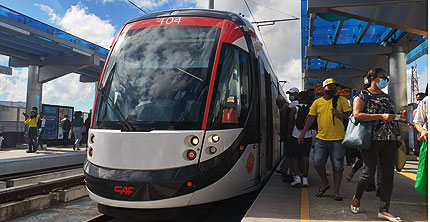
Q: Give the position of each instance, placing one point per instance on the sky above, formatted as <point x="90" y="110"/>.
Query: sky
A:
<point x="99" y="20"/>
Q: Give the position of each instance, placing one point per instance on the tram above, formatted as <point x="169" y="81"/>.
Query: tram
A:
<point x="185" y="113"/>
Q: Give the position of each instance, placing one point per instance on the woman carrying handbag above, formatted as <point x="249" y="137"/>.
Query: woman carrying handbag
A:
<point x="373" y="105"/>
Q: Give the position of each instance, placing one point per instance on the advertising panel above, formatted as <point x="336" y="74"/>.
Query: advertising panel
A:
<point x="51" y="116"/>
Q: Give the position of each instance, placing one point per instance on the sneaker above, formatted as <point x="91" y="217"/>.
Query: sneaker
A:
<point x="297" y="181"/>
<point x="305" y="182"/>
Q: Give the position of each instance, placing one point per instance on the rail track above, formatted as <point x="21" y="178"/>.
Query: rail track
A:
<point x="21" y="192"/>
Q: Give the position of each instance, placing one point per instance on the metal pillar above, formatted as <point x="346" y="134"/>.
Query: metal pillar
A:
<point x="397" y="86"/>
<point x="211" y="4"/>
<point x="34" y="89"/>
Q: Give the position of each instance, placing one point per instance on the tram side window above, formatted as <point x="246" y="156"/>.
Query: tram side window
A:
<point x="231" y="100"/>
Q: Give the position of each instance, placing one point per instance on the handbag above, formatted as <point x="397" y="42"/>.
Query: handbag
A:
<point x="400" y="157"/>
<point x="358" y="134"/>
<point x="422" y="173"/>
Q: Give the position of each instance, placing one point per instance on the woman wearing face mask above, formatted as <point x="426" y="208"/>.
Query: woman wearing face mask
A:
<point x="374" y="105"/>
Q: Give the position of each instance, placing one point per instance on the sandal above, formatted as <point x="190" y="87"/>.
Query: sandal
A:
<point x="320" y="192"/>
<point x="393" y="219"/>
<point x="355" y="210"/>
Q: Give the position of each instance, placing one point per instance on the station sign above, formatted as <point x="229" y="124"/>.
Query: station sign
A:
<point x="5" y="70"/>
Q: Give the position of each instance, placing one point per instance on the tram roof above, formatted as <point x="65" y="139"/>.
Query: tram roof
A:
<point x="209" y="13"/>
<point x="348" y="37"/>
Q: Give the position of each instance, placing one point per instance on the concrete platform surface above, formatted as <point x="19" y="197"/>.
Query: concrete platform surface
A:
<point x="17" y="160"/>
<point x="279" y="202"/>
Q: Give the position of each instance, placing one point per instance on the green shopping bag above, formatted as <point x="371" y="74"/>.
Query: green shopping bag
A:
<point x="422" y="177"/>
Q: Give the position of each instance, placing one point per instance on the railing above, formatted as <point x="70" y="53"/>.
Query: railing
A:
<point x="11" y="119"/>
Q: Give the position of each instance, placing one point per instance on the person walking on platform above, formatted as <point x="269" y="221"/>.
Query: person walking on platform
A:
<point x="85" y="129"/>
<point x="77" y="124"/>
<point x="66" y="125"/>
<point x="374" y="105"/>
<point x="330" y="111"/>
<point x="41" y="127"/>
<point x="32" y="130"/>
<point x="298" y="116"/>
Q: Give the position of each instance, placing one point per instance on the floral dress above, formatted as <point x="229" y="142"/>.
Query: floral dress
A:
<point x="378" y="104"/>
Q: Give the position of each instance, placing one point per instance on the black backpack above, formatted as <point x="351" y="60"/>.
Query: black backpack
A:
<point x="302" y="116"/>
<point x="39" y="123"/>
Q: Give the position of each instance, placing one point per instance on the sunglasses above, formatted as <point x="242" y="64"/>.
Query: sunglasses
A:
<point x="386" y="78"/>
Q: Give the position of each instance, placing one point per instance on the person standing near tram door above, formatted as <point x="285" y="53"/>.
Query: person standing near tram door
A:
<point x="77" y="124"/>
<point x="66" y="125"/>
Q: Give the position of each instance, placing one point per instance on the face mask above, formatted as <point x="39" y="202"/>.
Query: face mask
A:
<point x="382" y="84"/>
<point x="330" y="92"/>
<point x="291" y="98"/>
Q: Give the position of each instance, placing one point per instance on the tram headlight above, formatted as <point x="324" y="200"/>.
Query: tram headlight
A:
<point x="215" y="138"/>
<point x="191" y="154"/>
<point x="212" y="150"/>
<point x="92" y="139"/>
<point x="194" y="141"/>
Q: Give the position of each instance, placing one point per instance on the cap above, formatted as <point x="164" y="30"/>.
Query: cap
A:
<point x="293" y="90"/>
<point x="329" y="81"/>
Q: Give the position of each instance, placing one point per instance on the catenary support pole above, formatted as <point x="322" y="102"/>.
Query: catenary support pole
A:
<point x="211" y="4"/>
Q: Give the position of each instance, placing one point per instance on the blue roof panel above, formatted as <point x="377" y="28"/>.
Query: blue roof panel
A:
<point x="16" y="16"/>
<point x="351" y="31"/>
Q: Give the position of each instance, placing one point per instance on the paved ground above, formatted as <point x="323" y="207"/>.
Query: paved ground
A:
<point x="10" y="153"/>
<point x="280" y="202"/>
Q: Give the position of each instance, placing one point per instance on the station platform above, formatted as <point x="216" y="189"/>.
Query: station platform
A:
<point x="13" y="161"/>
<point x="279" y="202"/>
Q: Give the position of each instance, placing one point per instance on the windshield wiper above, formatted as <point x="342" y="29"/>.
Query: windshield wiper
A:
<point x="111" y="104"/>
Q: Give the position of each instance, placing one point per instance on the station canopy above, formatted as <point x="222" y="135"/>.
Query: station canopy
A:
<point x="28" y="41"/>
<point x="345" y="38"/>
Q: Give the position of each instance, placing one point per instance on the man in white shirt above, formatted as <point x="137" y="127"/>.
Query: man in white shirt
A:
<point x="293" y="96"/>
<point x="41" y="131"/>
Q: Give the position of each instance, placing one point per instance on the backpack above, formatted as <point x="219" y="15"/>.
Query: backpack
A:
<point x="66" y="124"/>
<point x="39" y="123"/>
<point x="302" y="116"/>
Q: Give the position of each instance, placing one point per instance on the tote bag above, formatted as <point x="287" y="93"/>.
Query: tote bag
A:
<point x="358" y="134"/>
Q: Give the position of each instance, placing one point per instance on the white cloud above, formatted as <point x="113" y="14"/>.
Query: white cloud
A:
<point x="282" y="39"/>
<point x="78" y="21"/>
<point x="14" y="88"/>
<point x="68" y="91"/>
<point x="150" y="4"/>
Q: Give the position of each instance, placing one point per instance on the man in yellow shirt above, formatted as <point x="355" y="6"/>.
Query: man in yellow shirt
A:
<point x="330" y="135"/>
<point x="32" y="130"/>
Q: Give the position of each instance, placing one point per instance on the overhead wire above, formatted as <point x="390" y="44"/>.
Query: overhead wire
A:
<point x="261" y="34"/>
<point x="272" y="9"/>
<point x="137" y="6"/>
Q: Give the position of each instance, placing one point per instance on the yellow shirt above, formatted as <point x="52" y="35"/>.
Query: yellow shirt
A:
<point x="322" y="109"/>
<point x="32" y="122"/>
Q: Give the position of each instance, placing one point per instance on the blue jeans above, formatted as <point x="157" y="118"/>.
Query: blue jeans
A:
<point x="32" y="133"/>
<point x="324" y="149"/>
<point x="78" y="135"/>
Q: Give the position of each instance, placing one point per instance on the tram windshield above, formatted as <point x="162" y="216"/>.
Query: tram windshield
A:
<point x="157" y="78"/>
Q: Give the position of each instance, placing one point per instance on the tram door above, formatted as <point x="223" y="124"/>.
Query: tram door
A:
<point x="266" y="156"/>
